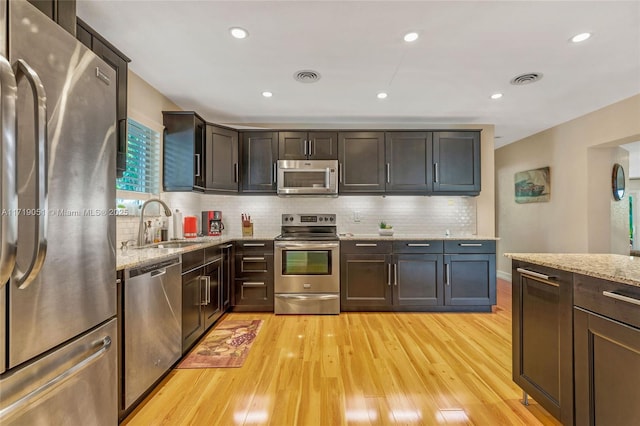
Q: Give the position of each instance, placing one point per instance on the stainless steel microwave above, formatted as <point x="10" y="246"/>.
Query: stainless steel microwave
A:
<point x="307" y="177"/>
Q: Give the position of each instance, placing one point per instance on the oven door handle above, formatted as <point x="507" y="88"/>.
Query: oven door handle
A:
<point x="306" y="245"/>
<point x="308" y="296"/>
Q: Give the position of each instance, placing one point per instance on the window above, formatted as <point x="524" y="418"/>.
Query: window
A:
<point x="143" y="160"/>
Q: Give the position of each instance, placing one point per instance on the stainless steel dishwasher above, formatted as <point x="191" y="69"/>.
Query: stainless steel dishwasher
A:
<point x="152" y="308"/>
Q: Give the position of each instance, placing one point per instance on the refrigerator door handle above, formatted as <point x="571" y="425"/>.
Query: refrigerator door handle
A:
<point x="22" y="279"/>
<point x="9" y="197"/>
<point x="105" y="344"/>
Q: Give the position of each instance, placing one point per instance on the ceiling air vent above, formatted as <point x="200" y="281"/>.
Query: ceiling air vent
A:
<point x="307" y="76"/>
<point x="530" y="77"/>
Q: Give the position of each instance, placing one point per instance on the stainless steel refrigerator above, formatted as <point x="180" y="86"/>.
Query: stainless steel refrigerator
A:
<point x="58" y="362"/>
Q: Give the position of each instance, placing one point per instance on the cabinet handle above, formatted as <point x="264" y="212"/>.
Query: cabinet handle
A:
<point x="275" y="173"/>
<point x="253" y="245"/>
<point x="311" y="148"/>
<point x="197" y="165"/>
<point x="388" y="172"/>
<point x="470" y="244"/>
<point x="306" y="148"/>
<point x="253" y="284"/>
<point x="366" y="245"/>
<point x="617" y="296"/>
<point x="418" y="245"/>
<point x="227" y="246"/>
<point x="340" y="171"/>
<point x="538" y="275"/>
<point x="253" y="259"/>
<point x="389" y="275"/>
<point x="235" y="172"/>
<point x="395" y="274"/>
<point x="203" y="303"/>
<point x="447" y="274"/>
<point x="436" y="177"/>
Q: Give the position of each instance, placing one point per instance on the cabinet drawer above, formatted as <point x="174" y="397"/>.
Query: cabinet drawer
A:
<point x="192" y="259"/>
<point x="211" y="253"/>
<point x="424" y="246"/>
<point x="366" y="246"/>
<point x="470" y="246"/>
<point x="255" y="246"/>
<point x="258" y="263"/>
<point x="614" y="300"/>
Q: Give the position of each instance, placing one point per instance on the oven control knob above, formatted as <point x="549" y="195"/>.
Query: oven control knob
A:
<point x="321" y="219"/>
<point x="331" y="219"/>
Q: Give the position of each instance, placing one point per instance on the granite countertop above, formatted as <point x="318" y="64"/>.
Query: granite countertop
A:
<point x="612" y="267"/>
<point x="349" y="236"/>
<point x="136" y="256"/>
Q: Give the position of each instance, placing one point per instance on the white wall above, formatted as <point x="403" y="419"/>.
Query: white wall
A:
<point x="565" y="223"/>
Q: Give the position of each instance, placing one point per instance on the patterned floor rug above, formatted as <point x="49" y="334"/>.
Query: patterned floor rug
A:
<point x="226" y="345"/>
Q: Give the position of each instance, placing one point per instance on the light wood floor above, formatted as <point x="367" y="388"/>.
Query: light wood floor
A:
<point x="357" y="369"/>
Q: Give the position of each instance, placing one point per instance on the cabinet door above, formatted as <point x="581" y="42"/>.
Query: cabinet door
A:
<point x="542" y="337"/>
<point x="192" y="303"/>
<point x="183" y="149"/>
<point x="323" y="145"/>
<point x="408" y="162"/>
<point x="212" y="298"/>
<point x="361" y="158"/>
<point x="293" y="146"/>
<point x="221" y="159"/>
<point x="607" y="370"/>
<point x="470" y="279"/>
<point x="417" y="280"/>
<point x="227" y="275"/>
<point x="365" y="281"/>
<point x="63" y="12"/>
<point x="259" y="160"/>
<point x="456" y="162"/>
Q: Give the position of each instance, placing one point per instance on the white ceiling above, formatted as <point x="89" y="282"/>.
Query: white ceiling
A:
<point x="467" y="51"/>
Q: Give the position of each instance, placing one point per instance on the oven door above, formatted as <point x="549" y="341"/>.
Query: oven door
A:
<point x="310" y="177"/>
<point x="307" y="267"/>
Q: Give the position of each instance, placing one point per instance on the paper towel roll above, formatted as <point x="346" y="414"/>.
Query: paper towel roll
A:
<point x="177" y="225"/>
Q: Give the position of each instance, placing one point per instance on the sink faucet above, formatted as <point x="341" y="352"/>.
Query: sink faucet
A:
<point x="167" y="211"/>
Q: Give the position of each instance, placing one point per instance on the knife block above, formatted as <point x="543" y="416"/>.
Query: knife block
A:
<point x="247" y="230"/>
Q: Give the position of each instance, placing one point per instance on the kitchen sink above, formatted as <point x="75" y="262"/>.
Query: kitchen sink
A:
<point x="170" y="244"/>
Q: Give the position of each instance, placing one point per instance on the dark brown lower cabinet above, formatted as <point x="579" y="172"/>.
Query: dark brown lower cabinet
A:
<point x="542" y="304"/>
<point x="364" y="281"/>
<point x="607" y="352"/>
<point x="253" y="283"/>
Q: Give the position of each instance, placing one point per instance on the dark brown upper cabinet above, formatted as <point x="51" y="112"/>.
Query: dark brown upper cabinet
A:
<point x="361" y="162"/>
<point x="408" y="162"/>
<point x="259" y="162"/>
<point x="456" y="162"/>
<point x="62" y="12"/>
<point x="183" y="151"/>
<point x="119" y="62"/>
<point x="221" y="160"/>
<point x="308" y="145"/>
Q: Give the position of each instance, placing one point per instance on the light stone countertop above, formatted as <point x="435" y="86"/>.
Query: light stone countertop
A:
<point x="612" y="267"/>
<point x="133" y="257"/>
<point x="348" y="236"/>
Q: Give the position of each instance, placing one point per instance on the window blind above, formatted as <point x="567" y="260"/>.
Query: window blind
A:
<point x="142" y="173"/>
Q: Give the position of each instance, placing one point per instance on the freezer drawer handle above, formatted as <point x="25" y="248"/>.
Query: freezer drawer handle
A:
<point x="621" y="297"/>
<point x="22" y="279"/>
<point x="9" y="224"/>
<point x="101" y="350"/>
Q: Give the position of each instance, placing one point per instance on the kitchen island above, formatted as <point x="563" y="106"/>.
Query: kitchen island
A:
<point x="576" y="335"/>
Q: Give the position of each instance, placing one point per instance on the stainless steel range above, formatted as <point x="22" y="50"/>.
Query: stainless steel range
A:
<point x="307" y="265"/>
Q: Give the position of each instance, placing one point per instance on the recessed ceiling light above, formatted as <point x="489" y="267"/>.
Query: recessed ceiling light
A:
<point x="238" y="32"/>
<point x="496" y="96"/>
<point x="382" y="95"/>
<point x="267" y="94"/>
<point x="580" y="37"/>
<point x="412" y="36"/>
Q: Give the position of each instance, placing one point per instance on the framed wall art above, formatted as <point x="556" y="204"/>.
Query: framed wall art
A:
<point x="533" y="186"/>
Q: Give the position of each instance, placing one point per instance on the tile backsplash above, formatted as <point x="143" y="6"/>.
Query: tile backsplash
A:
<point x="355" y="214"/>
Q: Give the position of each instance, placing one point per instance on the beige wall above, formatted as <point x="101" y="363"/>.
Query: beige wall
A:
<point x="145" y="104"/>
<point x="574" y="215"/>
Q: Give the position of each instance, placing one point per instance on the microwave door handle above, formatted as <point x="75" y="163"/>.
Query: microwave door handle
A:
<point x="327" y="177"/>
<point x="9" y="201"/>
<point x="22" y="279"/>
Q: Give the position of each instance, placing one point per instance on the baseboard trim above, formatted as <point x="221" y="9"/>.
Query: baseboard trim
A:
<point x="504" y="275"/>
